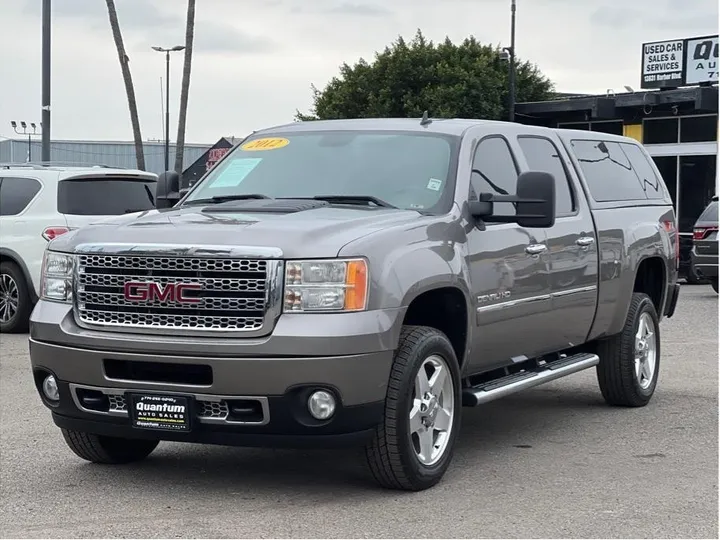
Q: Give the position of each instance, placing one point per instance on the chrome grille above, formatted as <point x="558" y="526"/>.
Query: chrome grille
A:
<point x="232" y="294"/>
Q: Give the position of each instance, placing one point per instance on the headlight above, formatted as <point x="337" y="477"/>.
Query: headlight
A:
<point x="331" y="285"/>
<point x="57" y="276"/>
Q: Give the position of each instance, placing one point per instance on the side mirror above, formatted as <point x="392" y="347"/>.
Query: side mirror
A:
<point x="168" y="190"/>
<point x="538" y="187"/>
<point x="534" y="202"/>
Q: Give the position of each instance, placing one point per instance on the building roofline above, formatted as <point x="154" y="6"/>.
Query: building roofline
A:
<point x="702" y="98"/>
<point x="23" y="140"/>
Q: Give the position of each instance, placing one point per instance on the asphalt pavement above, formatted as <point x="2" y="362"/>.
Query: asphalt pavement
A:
<point x="554" y="461"/>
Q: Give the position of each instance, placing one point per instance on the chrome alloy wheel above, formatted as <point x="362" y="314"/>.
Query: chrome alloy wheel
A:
<point x="645" y="351"/>
<point x="432" y="411"/>
<point x="9" y="298"/>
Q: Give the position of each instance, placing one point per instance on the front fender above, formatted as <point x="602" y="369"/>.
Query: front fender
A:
<point x="405" y="263"/>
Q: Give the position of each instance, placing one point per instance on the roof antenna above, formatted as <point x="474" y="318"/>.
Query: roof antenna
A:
<point x="425" y="119"/>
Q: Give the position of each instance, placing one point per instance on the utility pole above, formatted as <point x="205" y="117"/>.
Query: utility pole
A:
<point x="167" y="98"/>
<point x="512" y="62"/>
<point x="46" y="80"/>
<point x="29" y="134"/>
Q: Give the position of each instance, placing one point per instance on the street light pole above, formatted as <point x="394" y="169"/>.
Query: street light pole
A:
<point x="29" y="134"/>
<point x="46" y="58"/>
<point x="167" y="99"/>
<point x="512" y="62"/>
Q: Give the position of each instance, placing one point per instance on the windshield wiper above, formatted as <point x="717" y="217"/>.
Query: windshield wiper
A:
<point x="225" y="198"/>
<point x="354" y="199"/>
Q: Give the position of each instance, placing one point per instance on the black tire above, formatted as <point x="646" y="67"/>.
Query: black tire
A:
<point x="107" y="450"/>
<point x="391" y="455"/>
<point x="19" y="321"/>
<point x="616" y="371"/>
<point x="714" y="284"/>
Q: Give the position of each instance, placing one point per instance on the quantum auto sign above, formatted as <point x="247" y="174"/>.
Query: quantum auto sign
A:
<point x="680" y="62"/>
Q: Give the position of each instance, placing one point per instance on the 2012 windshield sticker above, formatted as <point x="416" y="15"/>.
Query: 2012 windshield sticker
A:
<point x="267" y="143"/>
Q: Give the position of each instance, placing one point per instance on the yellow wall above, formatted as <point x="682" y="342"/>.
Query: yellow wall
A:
<point x="634" y="131"/>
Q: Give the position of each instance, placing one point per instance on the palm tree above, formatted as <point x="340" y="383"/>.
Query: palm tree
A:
<point x="189" y="35"/>
<point x="127" y="78"/>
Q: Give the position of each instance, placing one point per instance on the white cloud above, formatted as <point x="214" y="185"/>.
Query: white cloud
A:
<point x="255" y="60"/>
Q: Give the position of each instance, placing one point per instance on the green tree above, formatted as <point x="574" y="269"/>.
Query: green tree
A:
<point x="469" y="80"/>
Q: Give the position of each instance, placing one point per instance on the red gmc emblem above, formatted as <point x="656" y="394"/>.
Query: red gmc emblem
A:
<point x="148" y="291"/>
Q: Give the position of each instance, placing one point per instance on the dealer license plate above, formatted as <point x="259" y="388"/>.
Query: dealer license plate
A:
<point x="150" y="411"/>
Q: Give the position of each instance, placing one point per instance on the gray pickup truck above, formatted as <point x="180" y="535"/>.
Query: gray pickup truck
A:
<point x="358" y="282"/>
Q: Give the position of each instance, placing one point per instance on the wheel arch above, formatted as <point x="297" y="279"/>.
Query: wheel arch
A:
<point x="444" y="306"/>
<point x="8" y="255"/>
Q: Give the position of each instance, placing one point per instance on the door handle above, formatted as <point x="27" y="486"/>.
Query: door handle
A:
<point x="585" y="241"/>
<point x="535" y="249"/>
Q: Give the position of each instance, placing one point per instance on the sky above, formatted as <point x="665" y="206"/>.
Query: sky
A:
<point x="254" y="60"/>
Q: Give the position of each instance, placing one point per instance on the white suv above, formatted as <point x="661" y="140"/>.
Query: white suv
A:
<point x="39" y="201"/>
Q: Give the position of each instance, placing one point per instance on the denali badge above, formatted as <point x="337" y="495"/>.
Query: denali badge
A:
<point x="147" y="291"/>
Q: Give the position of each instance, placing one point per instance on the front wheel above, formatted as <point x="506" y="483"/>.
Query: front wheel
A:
<point x="107" y="450"/>
<point x="412" y="447"/>
<point x="714" y="283"/>
<point x="630" y="361"/>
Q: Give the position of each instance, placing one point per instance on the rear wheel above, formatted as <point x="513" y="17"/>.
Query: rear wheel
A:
<point x="412" y="447"/>
<point x="714" y="283"/>
<point x="107" y="450"/>
<point x="15" y="303"/>
<point x="630" y="361"/>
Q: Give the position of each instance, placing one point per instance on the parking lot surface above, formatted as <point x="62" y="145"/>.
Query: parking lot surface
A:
<point x="551" y="462"/>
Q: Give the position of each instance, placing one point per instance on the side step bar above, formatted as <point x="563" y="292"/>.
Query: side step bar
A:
<point x="504" y="386"/>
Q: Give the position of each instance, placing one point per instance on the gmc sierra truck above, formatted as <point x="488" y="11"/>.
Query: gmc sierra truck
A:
<point x="359" y="282"/>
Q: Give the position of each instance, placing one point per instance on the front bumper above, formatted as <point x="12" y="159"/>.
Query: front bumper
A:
<point x="350" y="355"/>
<point x="277" y="387"/>
<point x="285" y="423"/>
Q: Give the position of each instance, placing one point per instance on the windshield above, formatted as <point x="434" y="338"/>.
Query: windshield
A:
<point x="105" y="197"/>
<point x="406" y="170"/>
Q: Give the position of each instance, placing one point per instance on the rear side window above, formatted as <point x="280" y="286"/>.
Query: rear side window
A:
<point x="710" y="213"/>
<point x="104" y="196"/>
<point x="16" y="194"/>
<point x="608" y="172"/>
<point x="649" y="180"/>
<point x="542" y="155"/>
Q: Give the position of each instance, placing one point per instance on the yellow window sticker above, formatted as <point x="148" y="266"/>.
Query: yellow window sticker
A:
<point x="268" y="143"/>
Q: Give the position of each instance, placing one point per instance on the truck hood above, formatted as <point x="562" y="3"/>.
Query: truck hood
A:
<point x="316" y="232"/>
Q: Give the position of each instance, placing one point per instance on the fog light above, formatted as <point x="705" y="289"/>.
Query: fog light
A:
<point x="50" y="388"/>
<point x="321" y="405"/>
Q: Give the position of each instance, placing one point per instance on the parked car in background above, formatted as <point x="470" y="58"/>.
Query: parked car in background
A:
<point x="41" y="201"/>
<point x="704" y="253"/>
<point x="359" y="281"/>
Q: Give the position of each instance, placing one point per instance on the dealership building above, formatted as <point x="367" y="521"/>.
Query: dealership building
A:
<point x="674" y="115"/>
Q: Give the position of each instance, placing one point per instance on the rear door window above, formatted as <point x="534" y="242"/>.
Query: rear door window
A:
<point x="542" y="155"/>
<point x="649" y="180"/>
<point x="16" y="194"/>
<point x="608" y="172"/>
<point x="105" y="196"/>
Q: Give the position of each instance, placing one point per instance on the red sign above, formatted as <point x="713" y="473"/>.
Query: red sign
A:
<point x="148" y="291"/>
<point x="214" y="155"/>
